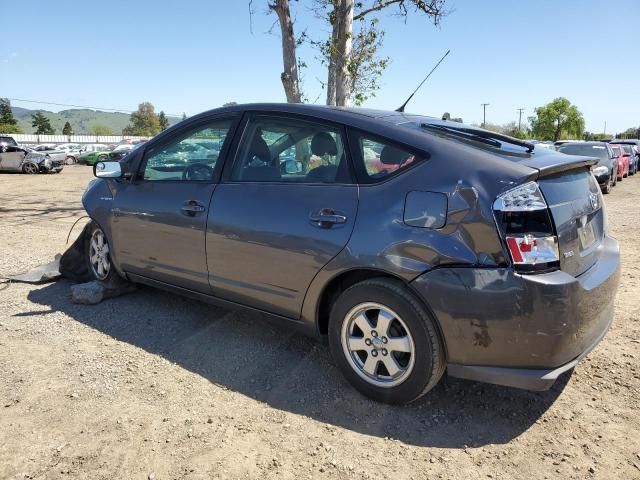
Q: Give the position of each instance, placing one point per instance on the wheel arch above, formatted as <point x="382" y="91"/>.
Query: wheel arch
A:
<point x="345" y="279"/>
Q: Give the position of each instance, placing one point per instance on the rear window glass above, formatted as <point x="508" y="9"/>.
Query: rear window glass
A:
<point x="598" y="151"/>
<point x="382" y="159"/>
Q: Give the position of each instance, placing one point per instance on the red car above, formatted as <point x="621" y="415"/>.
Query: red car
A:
<point x="623" y="161"/>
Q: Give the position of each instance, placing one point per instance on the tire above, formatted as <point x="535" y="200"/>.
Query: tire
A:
<point x="30" y="168"/>
<point x="98" y="259"/>
<point x="102" y="158"/>
<point x="70" y="161"/>
<point x="418" y="361"/>
<point x="609" y="185"/>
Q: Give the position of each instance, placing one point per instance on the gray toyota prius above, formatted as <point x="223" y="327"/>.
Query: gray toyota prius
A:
<point x="413" y="245"/>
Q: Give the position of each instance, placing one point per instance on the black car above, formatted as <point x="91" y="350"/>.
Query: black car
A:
<point x="414" y="245"/>
<point x="6" y="141"/>
<point x="606" y="171"/>
<point x="120" y="152"/>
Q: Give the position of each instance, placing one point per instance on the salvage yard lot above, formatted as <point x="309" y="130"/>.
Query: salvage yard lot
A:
<point x="154" y="384"/>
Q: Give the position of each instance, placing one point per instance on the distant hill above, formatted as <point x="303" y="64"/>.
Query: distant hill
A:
<point x="81" y="120"/>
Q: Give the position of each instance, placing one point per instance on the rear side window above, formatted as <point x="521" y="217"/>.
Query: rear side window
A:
<point x="277" y="149"/>
<point x="381" y="159"/>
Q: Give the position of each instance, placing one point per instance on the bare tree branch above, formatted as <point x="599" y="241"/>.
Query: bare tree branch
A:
<point x="381" y="5"/>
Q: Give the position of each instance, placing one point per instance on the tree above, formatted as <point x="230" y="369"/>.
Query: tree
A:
<point x="67" y="130"/>
<point x="144" y="121"/>
<point x="353" y="68"/>
<point x="184" y="116"/>
<point x="8" y="123"/>
<point x="101" y="130"/>
<point x="556" y="120"/>
<point x="163" y="121"/>
<point x="289" y="77"/>
<point x="447" y="116"/>
<point x="42" y="124"/>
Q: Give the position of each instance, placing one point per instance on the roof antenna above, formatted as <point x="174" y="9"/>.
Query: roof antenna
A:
<point x="401" y="109"/>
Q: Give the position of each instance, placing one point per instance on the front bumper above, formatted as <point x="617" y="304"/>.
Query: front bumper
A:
<point x="521" y="330"/>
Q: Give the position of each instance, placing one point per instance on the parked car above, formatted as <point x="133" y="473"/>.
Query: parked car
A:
<point x="14" y="158"/>
<point x="6" y="140"/>
<point x="606" y="171"/>
<point x="623" y="162"/>
<point x="93" y="153"/>
<point x="72" y="151"/>
<point x="630" y="152"/>
<point x="45" y="147"/>
<point x="121" y="150"/>
<point x="461" y="250"/>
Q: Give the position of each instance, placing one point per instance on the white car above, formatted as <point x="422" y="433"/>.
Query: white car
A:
<point x="72" y="151"/>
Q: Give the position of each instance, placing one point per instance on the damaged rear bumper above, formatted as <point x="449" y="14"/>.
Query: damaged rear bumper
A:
<point x="521" y="330"/>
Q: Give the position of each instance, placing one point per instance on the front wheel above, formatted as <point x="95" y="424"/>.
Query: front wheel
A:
<point x="385" y="342"/>
<point x="99" y="254"/>
<point x="30" y="168"/>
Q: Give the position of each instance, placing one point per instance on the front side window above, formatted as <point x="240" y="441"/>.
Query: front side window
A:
<point x="288" y="150"/>
<point x="382" y="159"/>
<point x="192" y="156"/>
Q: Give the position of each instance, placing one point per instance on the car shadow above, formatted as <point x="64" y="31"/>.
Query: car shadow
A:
<point x="288" y="371"/>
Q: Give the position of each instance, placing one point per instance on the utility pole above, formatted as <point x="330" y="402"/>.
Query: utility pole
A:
<point x="605" y="127"/>
<point x="484" y="114"/>
<point x="520" y="110"/>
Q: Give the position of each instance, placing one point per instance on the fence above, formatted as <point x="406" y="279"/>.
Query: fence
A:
<point x="26" y="138"/>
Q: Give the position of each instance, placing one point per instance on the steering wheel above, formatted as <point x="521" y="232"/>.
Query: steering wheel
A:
<point x="197" y="171"/>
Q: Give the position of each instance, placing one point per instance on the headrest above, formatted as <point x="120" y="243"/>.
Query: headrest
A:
<point x="323" y="144"/>
<point x="259" y="149"/>
<point x="393" y="156"/>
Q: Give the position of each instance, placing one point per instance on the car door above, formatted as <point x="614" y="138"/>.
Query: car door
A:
<point x="159" y="218"/>
<point x="285" y="208"/>
<point x="11" y="158"/>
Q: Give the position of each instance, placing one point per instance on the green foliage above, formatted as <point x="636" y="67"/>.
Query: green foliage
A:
<point x="102" y="130"/>
<point x="144" y="121"/>
<point x="67" y="130"/>
<point x="8" y="123"/>
<point x="447" y="116"/>
<point x="41" y="124"/>
<point x="163" y="121"/>
<point x="365" y="67"/>
<point x="557" y="120"/>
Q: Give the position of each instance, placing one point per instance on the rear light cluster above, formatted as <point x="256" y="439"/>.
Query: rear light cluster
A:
<point x="525" y="223"/>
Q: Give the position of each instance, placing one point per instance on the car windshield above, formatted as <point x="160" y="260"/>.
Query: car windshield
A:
<point x="598" y="151"/>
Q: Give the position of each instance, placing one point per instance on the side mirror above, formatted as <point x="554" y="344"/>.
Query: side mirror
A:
<point x="107" y="170"/>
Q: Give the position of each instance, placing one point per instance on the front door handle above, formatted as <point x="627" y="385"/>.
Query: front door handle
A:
<point x="327" y="217"/>
<point x="192" y="208"/>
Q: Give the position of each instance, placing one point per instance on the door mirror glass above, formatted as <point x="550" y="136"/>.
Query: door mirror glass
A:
<point x="107" y="170"/>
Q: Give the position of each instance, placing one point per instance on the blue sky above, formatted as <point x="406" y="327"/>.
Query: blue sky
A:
<point x="194" y="55"/>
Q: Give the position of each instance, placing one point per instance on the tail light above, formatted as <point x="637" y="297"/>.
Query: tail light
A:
<point x="525" y="224"/>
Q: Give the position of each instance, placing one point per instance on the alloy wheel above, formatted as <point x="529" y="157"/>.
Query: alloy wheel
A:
<point x="378" y="345"/>
<point x="30" y="168"/>
<point x="99" y="255"/>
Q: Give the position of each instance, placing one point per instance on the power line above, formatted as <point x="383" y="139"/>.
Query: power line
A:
<point x="118" y="110"/>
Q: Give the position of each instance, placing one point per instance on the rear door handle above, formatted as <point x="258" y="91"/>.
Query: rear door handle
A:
<point x="327" y="217"/>
<point x="192" y="208"/>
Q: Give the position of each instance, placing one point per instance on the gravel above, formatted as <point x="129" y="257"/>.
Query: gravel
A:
<point x="152" y="385"/>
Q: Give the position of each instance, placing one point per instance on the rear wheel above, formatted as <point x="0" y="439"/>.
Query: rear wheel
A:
<point x="30" y="168"/>
<point x="608" y="186"/>
<point x="385" y="342"/>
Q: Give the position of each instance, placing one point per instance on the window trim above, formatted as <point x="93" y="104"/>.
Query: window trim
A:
<point x="170" y="136"/>
<point x="363" y="177"/>
<point x="242" y="131"/>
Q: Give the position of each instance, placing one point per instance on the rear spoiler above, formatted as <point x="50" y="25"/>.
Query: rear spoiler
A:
<point x="548" y="165"/>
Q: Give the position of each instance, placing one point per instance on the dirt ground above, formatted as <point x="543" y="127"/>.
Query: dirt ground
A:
<point x="152" y="385"/>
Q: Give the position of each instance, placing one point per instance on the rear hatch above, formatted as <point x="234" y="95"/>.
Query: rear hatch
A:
<point x="576" y="206"/>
